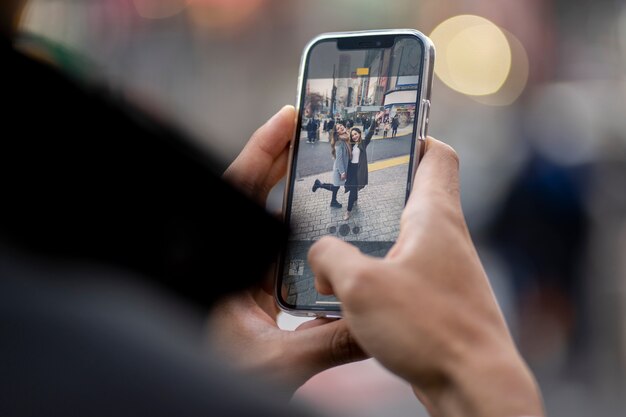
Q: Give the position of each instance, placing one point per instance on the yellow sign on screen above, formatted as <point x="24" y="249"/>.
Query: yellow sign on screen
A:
<point x="362" y="71"/>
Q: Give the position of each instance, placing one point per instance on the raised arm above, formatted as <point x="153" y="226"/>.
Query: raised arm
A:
<point x="368" y="136"/>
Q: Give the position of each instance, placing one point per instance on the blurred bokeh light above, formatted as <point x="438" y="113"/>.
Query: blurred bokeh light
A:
<point x="515" y="83"/>
<point x="224" y="15"/>
<point x="473" y="55"/>
<point x="531" y="94"/>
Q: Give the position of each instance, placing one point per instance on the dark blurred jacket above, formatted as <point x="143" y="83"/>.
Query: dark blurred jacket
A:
<point x="109" y="221"/>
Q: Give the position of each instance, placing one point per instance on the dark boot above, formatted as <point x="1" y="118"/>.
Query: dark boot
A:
<point x="333" y="202"/>
<point x="316" y="185"/>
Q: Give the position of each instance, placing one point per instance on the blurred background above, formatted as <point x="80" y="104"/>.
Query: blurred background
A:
<point x="531" y="94"/>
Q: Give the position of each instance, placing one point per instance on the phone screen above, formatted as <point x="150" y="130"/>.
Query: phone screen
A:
<point x="352" y="155"/>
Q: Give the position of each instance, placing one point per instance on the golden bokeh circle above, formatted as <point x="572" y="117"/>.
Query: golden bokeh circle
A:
<point x="473" y="55"/>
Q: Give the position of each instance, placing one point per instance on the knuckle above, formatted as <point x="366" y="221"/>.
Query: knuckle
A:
<point x="343" y="347"/>
<point x="360" y="285"/>
<point x="360" y="272"/>
<point x="244" y="183"/>
<point x="247" y="186"/>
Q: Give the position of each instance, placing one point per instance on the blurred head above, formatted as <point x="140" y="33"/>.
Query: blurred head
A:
<point x="340" y="128"/>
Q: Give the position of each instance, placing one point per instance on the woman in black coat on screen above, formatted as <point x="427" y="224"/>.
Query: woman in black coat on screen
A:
<point x="357" y="168"/>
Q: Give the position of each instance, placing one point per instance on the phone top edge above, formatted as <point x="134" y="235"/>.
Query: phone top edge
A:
<point x="375" y="32"/>
<point x="428" y="44"/>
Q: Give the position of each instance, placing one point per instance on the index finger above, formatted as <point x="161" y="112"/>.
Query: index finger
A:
<point x="435" y="196"/>
<point x="438" y="171"/>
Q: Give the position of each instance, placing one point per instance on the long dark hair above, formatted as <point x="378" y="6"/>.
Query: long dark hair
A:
<point x="334" y="138"/>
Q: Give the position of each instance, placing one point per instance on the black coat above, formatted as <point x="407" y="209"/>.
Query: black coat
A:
<point x="363" y="169"/>
<point x="362" y="173"/>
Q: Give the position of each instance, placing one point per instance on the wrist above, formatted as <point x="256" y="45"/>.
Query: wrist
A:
<point x="491" y="384"/>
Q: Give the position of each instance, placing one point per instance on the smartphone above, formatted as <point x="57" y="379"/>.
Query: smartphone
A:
<point x="363" y="107"/>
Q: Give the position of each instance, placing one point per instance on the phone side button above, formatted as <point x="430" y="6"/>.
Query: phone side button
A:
<point x="424" y="119"/>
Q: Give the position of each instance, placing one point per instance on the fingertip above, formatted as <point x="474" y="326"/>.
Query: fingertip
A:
<point x="318" y="258"/>
<point x="287" y="112"/>
<point x="335" y="264"/>
<point x="284" y="116"/>
<point x="317" y="247"/>
<point x="441" y="149"/>
<point x="275" y="134"/>
<point x="288" y="107"/>
<point x="285" y="120"/>
<point x="290" y="113"/>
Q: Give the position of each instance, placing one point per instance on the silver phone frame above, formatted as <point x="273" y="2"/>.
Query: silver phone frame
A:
<point x="421" y="126"/>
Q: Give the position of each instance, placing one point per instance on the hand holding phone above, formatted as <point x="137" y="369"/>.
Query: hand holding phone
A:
<point x="426" y="311"/>
<point x="243" y="326"/>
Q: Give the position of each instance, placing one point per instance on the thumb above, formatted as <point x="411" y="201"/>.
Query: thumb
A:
<point x="340" y="268"/>
<point x="263" y="161"/>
